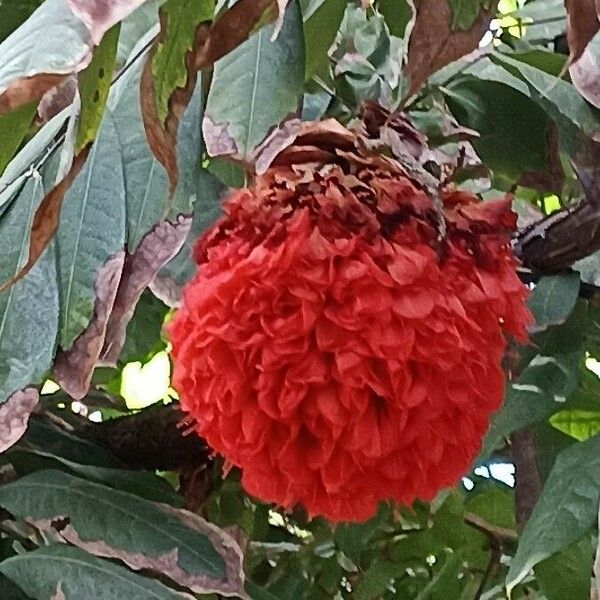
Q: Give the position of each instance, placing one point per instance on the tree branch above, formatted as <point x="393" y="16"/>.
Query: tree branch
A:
<point x="528" y="485"/>
<point x="150" y="439"/>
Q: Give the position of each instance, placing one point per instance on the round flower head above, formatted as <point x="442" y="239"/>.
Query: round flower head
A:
<point x="336" y="347"/>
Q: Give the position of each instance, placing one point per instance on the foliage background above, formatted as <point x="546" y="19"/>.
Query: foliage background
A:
<point x="121" y="129"/>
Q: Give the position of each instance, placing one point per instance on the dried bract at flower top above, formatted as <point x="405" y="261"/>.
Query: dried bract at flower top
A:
<point x="330" y="345"/>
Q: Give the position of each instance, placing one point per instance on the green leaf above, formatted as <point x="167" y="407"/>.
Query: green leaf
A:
<point x="397" y="13"/>
<point x="139" y="483"/>
<point x="376" y="580"/>
<point x="445" y="583"/>
<point x="512" y="128"/>
<point x="13" y="128"/>
<point x="77" y="574"/>
<point x="320" y="30"/>
<point x="566" y="509"/>
<point x="94" y="86"/>
<point x="542" y="388"/>
<point x="554" y="298"/>
<point x="179" y="22"/>
<point x="568" y="573"/>
<point x="14" y="14"/>
<point x="266" y="80"/>
<point x="142" y="534"/>
<point x="144" y="331"/>
<point x="465" y="12"/>
<point x="28" y="309"/>
<point x="91" y="230"/>
<point x="579" y="424"/>
<point x="495" y="505"/>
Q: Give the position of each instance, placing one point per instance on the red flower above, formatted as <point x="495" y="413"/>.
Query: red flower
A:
<point x="331" y="348"/>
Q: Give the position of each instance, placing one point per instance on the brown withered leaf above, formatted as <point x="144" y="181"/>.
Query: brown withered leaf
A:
<point x="100" y="15"/>
<point x="433" y="44"/>
<point x="46" y="218"/>
<point x="14" y="416"/>
<point x="157" y="248"/>
<point x="211" y="43"/>
<point x="582" y="25"/>
<point x="73" y="368"/>
<point x="26" y="89"/>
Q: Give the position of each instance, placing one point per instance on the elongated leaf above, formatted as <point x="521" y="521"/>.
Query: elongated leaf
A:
<point x="29" y="309"/>
<point x="144" y="484"/>
<point x="179" y="22"/>
<point x="92" y="229"/>
<point x="59" y="571"/>
<point x="320" y="29"/>
<point x="94" y="86"/>
<point x="579" y="424"/>
<point x="142" y="534"/>
<point x="565" y="511"/>
<point x="266" y="78"/>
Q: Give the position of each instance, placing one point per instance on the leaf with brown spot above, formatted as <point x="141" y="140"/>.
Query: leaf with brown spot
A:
<point x="157" y="248"/>
<point x="142" y="534"/>
<point x="14" y="416"/>
<point x="433" y="44"/>
<point x="208" y="44"/>
<point x="46" y="218"/>
<point x="54" y="43"/>
<point x="73" y="368"/>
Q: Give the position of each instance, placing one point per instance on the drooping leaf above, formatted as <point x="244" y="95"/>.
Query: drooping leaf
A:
<point x="582" y="25"/>
<point x="210" y="44"/>
<point x="28" y="309"/>
<point x="565" y="511"/>
<point x="157" y="248"/>
<point x="56" y="41"/>
<point x="58" y="572"/>
<point x="73" y="368"/>
<point x="92" y="229"/>
<point x="140" y="533"/>
<point x="266" y="77"/>
<point x="94" y="86"/>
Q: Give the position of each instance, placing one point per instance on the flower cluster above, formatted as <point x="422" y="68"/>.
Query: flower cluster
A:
<point x="333" y="347"/>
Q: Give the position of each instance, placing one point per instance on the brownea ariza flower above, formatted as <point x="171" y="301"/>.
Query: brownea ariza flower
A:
<point x="331" y="345"/>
